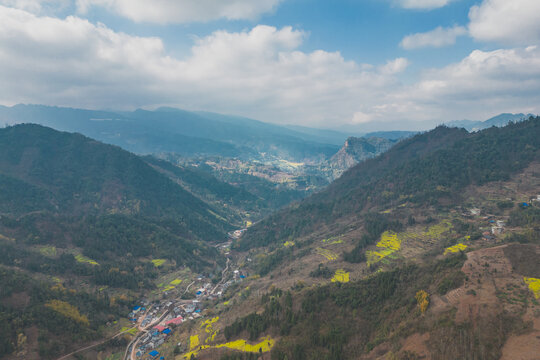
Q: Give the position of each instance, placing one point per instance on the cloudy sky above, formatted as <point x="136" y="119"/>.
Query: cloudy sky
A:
<point x="372" y="64"/>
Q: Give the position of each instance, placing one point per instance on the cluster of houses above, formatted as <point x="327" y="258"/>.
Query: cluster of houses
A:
<point x="177" y="313"/>
<point x="497" y="227"/>
<point x="160" y="318"/>
<point x="153" y="339"/>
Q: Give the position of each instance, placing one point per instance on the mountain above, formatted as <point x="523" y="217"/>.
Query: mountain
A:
<point x="79" y="175"/>
<point x="429" y="250"/>
<point x="177" y="131"/>
<point x="391" y="135"/>
<point x="425" y="167"/>
<point x="499" y="120"/>
<point x="77" y="213"/>
<point x="85" y="197"/>
<point x="356" y="150"/>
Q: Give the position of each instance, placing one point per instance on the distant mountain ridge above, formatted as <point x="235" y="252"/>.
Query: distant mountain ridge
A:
<point x="499" y="120"/>
<point x="177" y="131"/>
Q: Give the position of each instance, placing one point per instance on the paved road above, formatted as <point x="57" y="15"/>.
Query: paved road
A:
<point x="133" y="344"/>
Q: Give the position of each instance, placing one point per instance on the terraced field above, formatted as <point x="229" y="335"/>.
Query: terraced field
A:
<point x="328" y="254"/>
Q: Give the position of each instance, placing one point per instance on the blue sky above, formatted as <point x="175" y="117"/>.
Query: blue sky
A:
<point x="362" y="64"/>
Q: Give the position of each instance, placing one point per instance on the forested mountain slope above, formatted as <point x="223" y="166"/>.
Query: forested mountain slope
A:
<point x="428" y="168"/>
<point x="79" y="214"/>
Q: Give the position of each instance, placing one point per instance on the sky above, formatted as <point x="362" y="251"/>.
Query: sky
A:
<point x="341" y="64"/>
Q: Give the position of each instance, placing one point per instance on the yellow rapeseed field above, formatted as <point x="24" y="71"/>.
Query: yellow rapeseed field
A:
<point x="193" y="342"/>
<point x="83" y="259"/>
<point x="341" y="276"/>
<point x="158" y="262"/>
<point x="534" y="286"/>
<point x="389" y="244"/>
<point x="455" y="249"/>
<point x="266" y="344"/>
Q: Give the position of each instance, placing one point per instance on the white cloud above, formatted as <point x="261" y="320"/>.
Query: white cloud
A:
<point x="423" y="4"/>
<point x="259" y="73"/>
<point x="482" y="84"/>
<point x="438" y="37"/>
<point x="395" y="66"/>
<point x="37" y="6"/>
<point x="515" y="22"/>
<point x="182" y="11"/>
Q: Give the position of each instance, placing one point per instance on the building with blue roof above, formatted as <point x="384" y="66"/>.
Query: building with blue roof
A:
<point x="153" y="353"/>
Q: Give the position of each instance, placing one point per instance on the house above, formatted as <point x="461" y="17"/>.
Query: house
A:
<point x="153" y="354"/>
<point x="159" y="328"/>
<point x="166" y="331"/>
<point x="176" y="321"/>
<point x="475" y="211"/>
<point x="496" y="230"/>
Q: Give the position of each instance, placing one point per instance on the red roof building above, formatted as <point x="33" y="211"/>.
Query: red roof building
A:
<point x="159" y="328"/>
<point x="175" y="321"/>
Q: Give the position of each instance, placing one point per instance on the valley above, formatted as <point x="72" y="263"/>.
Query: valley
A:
<point x="269" y="180"/>
<point x="405" y="255"/>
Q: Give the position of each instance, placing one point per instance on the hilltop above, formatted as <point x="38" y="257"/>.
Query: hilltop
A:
<point x="354" y="151"/>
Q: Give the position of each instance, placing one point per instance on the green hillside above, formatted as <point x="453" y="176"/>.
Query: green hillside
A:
<point x="79" y="176"/>
<point x="427" y="168"/>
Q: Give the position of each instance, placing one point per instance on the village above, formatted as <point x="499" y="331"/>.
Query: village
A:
<point x="156" y="320"/>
